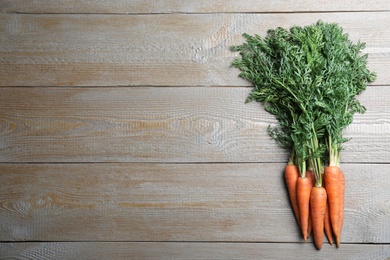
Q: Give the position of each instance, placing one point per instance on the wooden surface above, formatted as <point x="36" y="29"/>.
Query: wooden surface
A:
<point x="124" y="133"/>
<point x="186" y="6"/>
<point x="159" y="50"/>
<point x="174" y="202"/>
<point x="153" y="124"/>
<point x="162" y="250"/>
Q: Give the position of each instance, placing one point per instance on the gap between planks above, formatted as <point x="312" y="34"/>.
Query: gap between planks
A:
<point x="190" y="251"/>
<point x="199" y="13"/>
<point x="250" y="87"/>
<point x="169" y="163"/>
<point x="185" y="242"/>
<point x="202" y="6"/>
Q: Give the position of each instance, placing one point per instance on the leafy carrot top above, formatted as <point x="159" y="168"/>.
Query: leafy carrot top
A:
<point x="308" y="77"/>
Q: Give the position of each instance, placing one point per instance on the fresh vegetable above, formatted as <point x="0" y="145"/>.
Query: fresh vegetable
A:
<point x="327" y="226"/>
<point x="291" y="176"/>
<point x="318" y="207"/>
<point x="310" y="176"/>
<point x="332" y="184"/>
<point x="303" y="196"/>
<point x="342" y="193"/>
<point x="308" y="78"/>
<point x="309" y="226"/>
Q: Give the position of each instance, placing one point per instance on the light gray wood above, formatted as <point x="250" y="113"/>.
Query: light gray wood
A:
<point x="223" y="251"/>
<point x="176" y="202"/>
<point x="177" y="6"/>
<point x="182" y="104"/>
<point x="162" y="125"/>
<point x="160" y="50"/>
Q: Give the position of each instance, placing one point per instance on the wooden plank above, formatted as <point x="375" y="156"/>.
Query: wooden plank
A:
<point x="162" y="125"/>
<point x="175" y="202"/>
<point x="123" y="250"/>
<point x="177" y="6"/>
<point x="160" y="50"/>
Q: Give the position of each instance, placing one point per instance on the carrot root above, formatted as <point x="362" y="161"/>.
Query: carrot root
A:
<point x="332" y="184"/>
<point x="303" y="197"/>
<point x="342" y="193"/>
<point x="309" y="227"/>
<point x="327" y="226"/>
<point x="310" y="175"/>
<point x="291" y="175"/>
<point x="318" y="198"/>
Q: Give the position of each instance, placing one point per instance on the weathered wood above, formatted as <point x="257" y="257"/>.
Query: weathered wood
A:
<point x="137" y="250"/>
<point x="178" y="6"/>
<point x="162" y="125"/>
<point x="161" y="50"/>
<point x="201" y="210"/>
<point x="175" y="202"/>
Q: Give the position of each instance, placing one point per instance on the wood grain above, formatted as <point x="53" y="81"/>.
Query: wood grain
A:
<point x="150" y="250"/>
<point x="158" y="50"/>
<point x="124" y="133"/>
<point x="175" y="202"/>
<point x="200" y="6"/>
<point x="152" y="124"/>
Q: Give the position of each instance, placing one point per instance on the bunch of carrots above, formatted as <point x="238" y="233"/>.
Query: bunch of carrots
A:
<point x="308" y="78"/>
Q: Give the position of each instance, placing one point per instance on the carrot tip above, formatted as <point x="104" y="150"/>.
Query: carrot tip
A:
<point x="337" y="241"/>
<point x="318" y="245"/>
<point x="329" y="239"/>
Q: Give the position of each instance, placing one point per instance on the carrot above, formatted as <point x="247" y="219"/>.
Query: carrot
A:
<point x="332" y="184"/>
<point x="310" y="175"/>
<point x="327" y="226"/>
<point x="342" y="191"/>
<point x="309" y="226"/>
<point x="318" y="207"/>
<point x="303" y="197"/>
<point x="291" y="175"/>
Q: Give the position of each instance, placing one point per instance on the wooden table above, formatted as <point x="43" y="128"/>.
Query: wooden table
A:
<point x="124" y="133"/>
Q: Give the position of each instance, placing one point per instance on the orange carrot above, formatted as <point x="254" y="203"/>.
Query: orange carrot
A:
<point x="310" y="175"/>
<point x="318" y="207"/>
<point x="332" y="184"/>
<point x="309" y="226"/>
<point x="327" y="226"/>
<point x="303" y="197"/>
<point x="342" y="191"/>
<point x="291" y="176"/>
